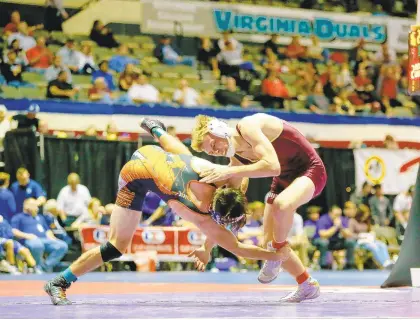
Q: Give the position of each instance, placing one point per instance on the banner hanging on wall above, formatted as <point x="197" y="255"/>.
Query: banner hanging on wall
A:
<point x="395" y="170"/>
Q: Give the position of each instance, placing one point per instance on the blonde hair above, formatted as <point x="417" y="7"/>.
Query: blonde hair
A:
<point x="199" y="131"/>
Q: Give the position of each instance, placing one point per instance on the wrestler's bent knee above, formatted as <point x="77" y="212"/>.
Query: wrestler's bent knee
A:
<point x="283" y="205"/>
<point x="109" y="252"/>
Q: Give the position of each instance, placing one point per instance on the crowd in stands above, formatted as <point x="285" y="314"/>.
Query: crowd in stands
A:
<point x="295" y="77"/>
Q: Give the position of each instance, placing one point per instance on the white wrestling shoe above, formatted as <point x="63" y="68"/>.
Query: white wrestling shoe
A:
<point x="270" y="269"/>
<point x="308" y="290"/>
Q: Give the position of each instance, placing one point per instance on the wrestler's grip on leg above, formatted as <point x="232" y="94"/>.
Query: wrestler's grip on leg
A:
<point x="201" y="258"/>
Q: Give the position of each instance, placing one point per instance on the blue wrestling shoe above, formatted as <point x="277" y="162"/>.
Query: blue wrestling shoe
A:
<point x="56" y="289"/>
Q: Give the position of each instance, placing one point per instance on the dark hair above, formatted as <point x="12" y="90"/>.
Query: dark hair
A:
<point x="229" y="208"/>
<point x="365" y="184"/>
<point x="377" y="187"/>
<point x="362" y="211"/>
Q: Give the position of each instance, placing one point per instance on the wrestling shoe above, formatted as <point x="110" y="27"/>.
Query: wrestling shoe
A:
<point x="56" y="289"/>
<point x="306" y="291"/>
<point x="148" y="125"/>
<point x="271" y="269"/>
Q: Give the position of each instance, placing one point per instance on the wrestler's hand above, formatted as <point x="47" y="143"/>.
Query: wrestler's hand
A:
<point x="219" y="173"/>
<point x="201" y="258"/>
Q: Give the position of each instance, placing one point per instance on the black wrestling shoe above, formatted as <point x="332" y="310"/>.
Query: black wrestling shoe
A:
<point x="149" y="125"/>
<point x="56" y="289"/>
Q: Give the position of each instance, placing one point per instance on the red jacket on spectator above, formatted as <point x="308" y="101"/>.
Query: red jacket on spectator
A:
<point x="389" y="88"/>
<point x="362" y="81"/>
<point x="274" y="88"/>
<point x="45" y="57"/>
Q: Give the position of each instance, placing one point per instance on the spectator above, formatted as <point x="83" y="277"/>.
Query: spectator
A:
<point x="387" y="87"/>
<point x="274" y="91"/>
<point x="35" y="234"/>
<point x="100" y="92"/>
<point x="232" y="56"/>
<point x="12" y="247"/>
<point x="342" y="103"/>
<point x="344" y="78"/>
<point x="155" y="211"/>
<point x="52" y="71"/>
<point x="313" y="216"/>
<point x="70" y="56"/>
<point x="60" y="88"/>
<point x="103" y="72"/>
<point x="317" y="102"/>
<point x="402" y="207"/>
<point x="7" y="199"/>
<point x="207" y="55"/>
<point x="25" y="188"/>
<point x="231" y="95"/>
<point x="26" y="41"/>
<point x="298" y="240"/>
<point x="315" y="51"/>
<point x="5" y="125"/>
<point x="128" y="77"/>
<point x="333" y="234"/>
<point x="86" y="61"/>
<point x="168" y="54"/>
<point x="93" y="215"/>
<point x="295" y="50"/>
<point x="171" y="130"/>
<point x="121" y="59"/>
<point x="271" y="63"/>
<point x="73" y="199"/>
<point x="362" y="196"/>
<point x="20" y="54"/>
<point x="39" y="56"/>
<point x="55" y="218"/>
<point x="143" y="92"/>
<point x="361" y="227"/>
<point x="28" y="120"/>
<point x="13" y="25"/>
<point x="106" y="216"/>
<point x="55" y="13"/>
<point x="380" y="207"/>
<point x="186" y="96"/>
<point x="111" y="131"/>
<point x="390" y="143"/>
<point x="385" y="55"/>
<point x="350" y="210"/>
<point x="90" y="132"/>
<point x="102" y="36"/>
<point x="227" y="37"/>
<point x="272" y="46"/>
<point x="12" y="72"/>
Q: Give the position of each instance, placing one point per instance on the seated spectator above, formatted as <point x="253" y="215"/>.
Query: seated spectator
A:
<point x="317" y="102"/>
<point x="361" y="227"/>
<point x="207" y="55"/>
<point x="12" y="72"/>
<point x="315" y="51"/>
<point x="402" y="206"/>
<point x="232" y="56"/>
<point x="60" y="88"/>
<point x="390" y="143"/>
<point x="186" y="96"/>
<point x="362" y="196"/>
<point x="344" y="77"/>
<point x="36" y="235"/>
<point x="55" y="218"/>
<point x="128" y="77"/>
<point x="7" y="199"/>
<point x="273" y="91"/>
<point x="106" y="216"/>
<point x="298" y="240"/>
<point x="333" y="234"/>
<point x="28" y="120"/>
<point x="103" y="72"/>
<point x="102" y="36"/>
<point x="385" y="55"/>
<point x="350" y="210"/>
<point x="231" y="95"/>
<point x="121" y="59"/>
<point x="252" y="232"/>
<point x="13" y="25"/>
<point x="86" y="60"/>
<point x="73" y="199"/>
<point x="143" y="92"/>
<point x="93" y="215"/>
<point x="312" y="217"/>
<point x="20" y="54"/>
<point x="5" y="125"/>
<point x="295" y="50"/>
<point x="39" y="57"/>
<point x="52" y="71"/>
<point x="70" y="56"/>
<point x="168" y="54"/>
<point x="100" y="92"/>
<point x="26" y="41"/>
<point x="380" y="207"/>
<point x="13" y="247"/>
<point x="25" y="188"/>
<point x="343" y="105"/>
<point x="272" y="46"/>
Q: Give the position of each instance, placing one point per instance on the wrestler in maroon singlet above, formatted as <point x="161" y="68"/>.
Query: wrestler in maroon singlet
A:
<point x="297" y="158"/>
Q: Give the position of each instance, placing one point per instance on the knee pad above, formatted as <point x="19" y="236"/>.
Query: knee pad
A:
<point x="109" y="252"/>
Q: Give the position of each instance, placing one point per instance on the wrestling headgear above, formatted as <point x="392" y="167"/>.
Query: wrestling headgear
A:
<point x="220" y="129"/>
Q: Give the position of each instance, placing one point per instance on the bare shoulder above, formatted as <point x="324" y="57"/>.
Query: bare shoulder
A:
<point x="271" y="126"/>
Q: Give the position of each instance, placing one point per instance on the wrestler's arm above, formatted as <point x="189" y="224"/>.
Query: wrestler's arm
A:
<point x="172" y="144"/>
